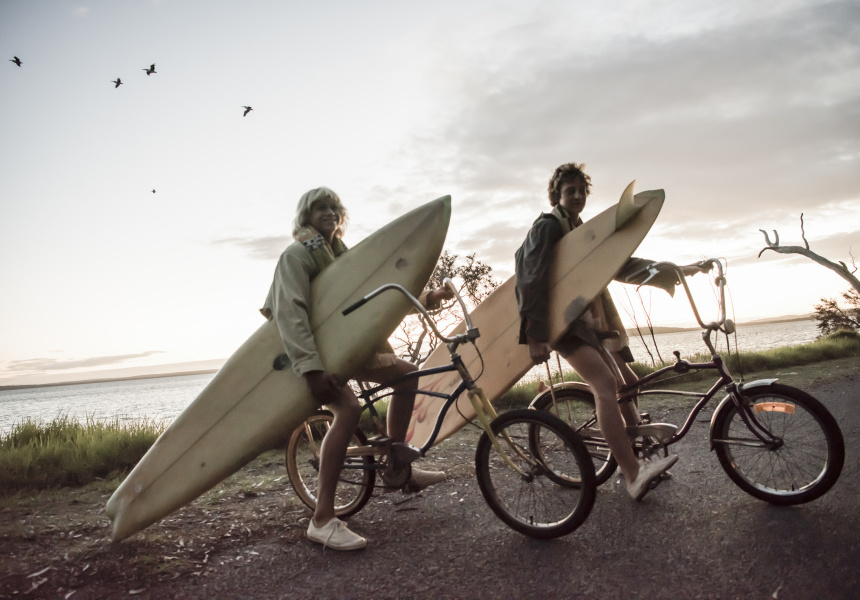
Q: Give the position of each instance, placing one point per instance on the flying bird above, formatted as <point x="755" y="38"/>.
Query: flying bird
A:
<point x="150" y="70"/>
<point x="15" y="60"/>
<point x="118" y="82"/>
<point x="153" y="190"/>
<point x="247" y="110"/>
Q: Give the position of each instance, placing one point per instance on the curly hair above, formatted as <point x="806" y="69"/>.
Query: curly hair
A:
<point x="303" y="209"/>
<point x="566" y="172"/>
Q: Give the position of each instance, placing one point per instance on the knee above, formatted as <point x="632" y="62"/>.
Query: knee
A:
<point x="350" y="408"/>
<point x="404" y="368"/>
<point x="605" y="394"/>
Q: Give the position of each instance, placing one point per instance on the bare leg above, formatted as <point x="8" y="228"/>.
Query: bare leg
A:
<point x="403" y="399"/>
<point x="630" y="409"/>
<point x="333" y="452"/>
<point x="593" y="368"/>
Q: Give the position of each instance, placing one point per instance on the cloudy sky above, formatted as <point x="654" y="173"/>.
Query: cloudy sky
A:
<point x="747" y="114"/>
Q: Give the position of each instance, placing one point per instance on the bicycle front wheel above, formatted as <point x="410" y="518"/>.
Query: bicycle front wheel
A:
<point x="576" y="408"/>
<point x="805" y="459"/>
<point x="355" y="485"/>
<point x="530" y="498"/>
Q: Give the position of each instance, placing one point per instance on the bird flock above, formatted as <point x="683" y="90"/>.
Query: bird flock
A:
<point x="118" y="82"/>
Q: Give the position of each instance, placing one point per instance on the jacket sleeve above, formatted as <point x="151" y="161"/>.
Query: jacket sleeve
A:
<point x="289" y="299"/>
<point x="665" y="279"/>
<point x="533" y="261"/>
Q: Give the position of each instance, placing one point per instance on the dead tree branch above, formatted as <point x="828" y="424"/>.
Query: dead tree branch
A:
<point x="839" y="268"/>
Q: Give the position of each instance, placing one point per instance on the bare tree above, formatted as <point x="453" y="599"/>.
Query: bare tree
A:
<point x="840" y="268"/>
<point x="414" y="340"/>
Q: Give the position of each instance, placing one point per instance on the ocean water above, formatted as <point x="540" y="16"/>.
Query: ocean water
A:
<point x="166" y="397"/>
<point x="153" y="398"/>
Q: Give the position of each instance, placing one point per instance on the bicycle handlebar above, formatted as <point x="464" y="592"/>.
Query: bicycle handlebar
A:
<point x="471" y="333"/>
<point x="705" y="265"/>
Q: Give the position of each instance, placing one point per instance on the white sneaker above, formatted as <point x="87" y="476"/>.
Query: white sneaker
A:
<point x="336" y="535"/>
<point x="649" y="472"/>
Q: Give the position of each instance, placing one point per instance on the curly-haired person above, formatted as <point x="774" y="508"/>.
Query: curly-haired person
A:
<point x="590" y="344"/>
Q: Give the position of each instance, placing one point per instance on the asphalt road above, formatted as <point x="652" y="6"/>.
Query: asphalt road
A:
<point x="696" y="536"/>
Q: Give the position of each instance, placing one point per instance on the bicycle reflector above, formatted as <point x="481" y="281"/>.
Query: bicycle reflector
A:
<point x="774" y="407"/>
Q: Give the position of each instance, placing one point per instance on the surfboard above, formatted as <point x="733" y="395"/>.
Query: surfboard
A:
<point x="585" y="262"/>
<point x="249" y="406"/>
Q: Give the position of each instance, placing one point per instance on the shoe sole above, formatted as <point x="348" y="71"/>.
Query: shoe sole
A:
<point x="654" y="482"/>
<point x="342" y="548"/>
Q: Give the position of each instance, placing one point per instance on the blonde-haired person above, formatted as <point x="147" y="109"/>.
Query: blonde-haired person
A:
<point x="584" y="342"/>
<point x="318" y="229"/>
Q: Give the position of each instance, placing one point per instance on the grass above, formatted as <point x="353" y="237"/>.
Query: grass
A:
<point x="63" y="452"/>
<point x="841" y="344"/>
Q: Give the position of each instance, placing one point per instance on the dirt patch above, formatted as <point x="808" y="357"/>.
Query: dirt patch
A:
<point x="55" y="544"/>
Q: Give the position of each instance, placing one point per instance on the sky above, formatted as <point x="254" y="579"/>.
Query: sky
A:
<point x="746" y="113"/>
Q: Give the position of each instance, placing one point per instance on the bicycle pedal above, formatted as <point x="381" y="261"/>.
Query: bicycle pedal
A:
<point x="379" y="440"/>
<point x="402" y="453"/>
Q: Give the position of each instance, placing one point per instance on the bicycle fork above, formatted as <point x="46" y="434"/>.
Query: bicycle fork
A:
<point x="486" y="413"/>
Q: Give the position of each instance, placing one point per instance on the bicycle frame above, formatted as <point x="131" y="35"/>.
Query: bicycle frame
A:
<point x="370" y="396"/>
<point x="630" y="392"/>
<point x="483" y="408"/>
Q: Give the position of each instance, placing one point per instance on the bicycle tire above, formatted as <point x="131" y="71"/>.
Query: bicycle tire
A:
<point x="535" y="503"/>
<point x="355" y="485"/>
<point x="576" y="408"/>
<point x="806" y="464"/>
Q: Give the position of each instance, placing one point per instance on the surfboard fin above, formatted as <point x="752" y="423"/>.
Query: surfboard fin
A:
<point x="627" y="208"/>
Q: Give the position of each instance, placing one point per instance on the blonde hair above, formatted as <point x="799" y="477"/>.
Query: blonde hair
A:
<point x="306" y="202"/>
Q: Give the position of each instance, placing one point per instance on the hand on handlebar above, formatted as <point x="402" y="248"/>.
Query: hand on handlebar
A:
<point x="438" y="296"/>
<point x="690" y="270"/>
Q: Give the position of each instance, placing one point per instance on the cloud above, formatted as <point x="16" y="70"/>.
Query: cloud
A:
<point x="743" y="115"/>
<point x="259" y="248"/>
<point x="53" y="364"/>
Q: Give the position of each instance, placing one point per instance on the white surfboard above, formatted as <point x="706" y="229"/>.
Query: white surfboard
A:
<point x="249" y="406"/>
<point x="585" y="262"/>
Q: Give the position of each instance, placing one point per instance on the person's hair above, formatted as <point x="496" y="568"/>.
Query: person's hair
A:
<point x="566" y="172"/>
<point x="306" y="202"/>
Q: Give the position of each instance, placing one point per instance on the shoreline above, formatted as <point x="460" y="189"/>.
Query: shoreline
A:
<point x="659" y="330"/>
<point x="4" y="388"/>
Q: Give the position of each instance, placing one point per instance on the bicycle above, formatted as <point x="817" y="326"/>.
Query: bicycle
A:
<point x="776" y="442"/>
<point x="524" y="460"/>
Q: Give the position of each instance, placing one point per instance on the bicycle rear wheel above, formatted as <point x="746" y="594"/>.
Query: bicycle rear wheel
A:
<point x="357" y="478"/>
<point x="576" y="408"/>
<point x="534" y="502"/>
<point x="801" y="466"/>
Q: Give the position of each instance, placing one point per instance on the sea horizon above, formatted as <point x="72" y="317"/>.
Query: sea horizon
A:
<point x="203" y="367"/>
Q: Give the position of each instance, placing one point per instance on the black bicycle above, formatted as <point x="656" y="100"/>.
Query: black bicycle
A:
<point x="776" y="442"/>
<point x="534" y="472"/>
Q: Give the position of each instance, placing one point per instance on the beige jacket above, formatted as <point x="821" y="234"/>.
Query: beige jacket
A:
<point x="287" y="302"/>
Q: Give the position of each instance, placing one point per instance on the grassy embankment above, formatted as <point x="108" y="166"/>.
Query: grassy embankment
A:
<point x="64" y="452"/>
